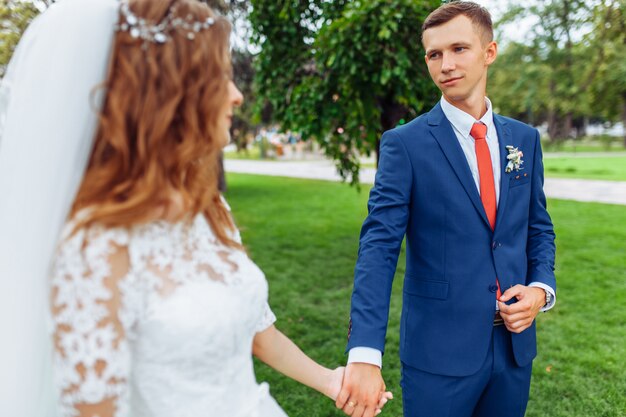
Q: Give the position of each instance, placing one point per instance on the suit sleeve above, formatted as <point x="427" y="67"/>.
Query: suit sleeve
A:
<point x="379" y="246"/>
<point x="540" y="248"/>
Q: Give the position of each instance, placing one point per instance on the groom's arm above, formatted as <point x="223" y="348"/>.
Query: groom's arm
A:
<point x="379" y="247"/>
<point x="540" y="252"/>
<point x="540" y="247"/>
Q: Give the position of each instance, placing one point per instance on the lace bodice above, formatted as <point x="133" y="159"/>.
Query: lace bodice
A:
<point x="157" y="321"/>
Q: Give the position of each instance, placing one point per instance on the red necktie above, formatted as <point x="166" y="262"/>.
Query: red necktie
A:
<point x="485" y="172"/>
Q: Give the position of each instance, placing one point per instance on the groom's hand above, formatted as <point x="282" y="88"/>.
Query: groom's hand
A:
<point x="361" y="390"/>
<point x="519" y="316"/>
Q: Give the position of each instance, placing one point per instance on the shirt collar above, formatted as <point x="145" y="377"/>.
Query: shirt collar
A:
<point x="463" y="122"/>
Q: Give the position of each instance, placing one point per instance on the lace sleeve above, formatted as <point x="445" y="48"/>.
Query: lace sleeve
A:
<point x="266" y="320"/>
<point x="92" y="358"/>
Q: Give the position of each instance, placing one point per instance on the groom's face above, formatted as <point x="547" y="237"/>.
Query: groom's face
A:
<point x="458" y="59"/>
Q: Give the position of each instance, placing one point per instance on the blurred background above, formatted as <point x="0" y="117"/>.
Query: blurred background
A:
<point x="327" y="77"/>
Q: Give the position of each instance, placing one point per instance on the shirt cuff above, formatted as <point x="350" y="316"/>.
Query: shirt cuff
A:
<point x="545" y="288"/>
<point x="366" y="355"/>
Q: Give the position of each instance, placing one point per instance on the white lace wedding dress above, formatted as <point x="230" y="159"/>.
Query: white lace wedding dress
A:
<point x="158" y="321"/>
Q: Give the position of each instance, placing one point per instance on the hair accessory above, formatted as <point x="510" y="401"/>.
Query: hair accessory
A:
<point x="158" y="33"/>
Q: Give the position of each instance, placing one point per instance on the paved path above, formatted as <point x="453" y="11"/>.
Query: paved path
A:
<point x="612" y="192"/>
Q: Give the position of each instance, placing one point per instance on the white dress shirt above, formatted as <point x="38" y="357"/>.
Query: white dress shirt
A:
<point x="461" y="124"/>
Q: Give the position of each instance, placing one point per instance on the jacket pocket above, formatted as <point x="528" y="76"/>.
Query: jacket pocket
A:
<point x="426" y="287"/>
<point x="519" y="179"/>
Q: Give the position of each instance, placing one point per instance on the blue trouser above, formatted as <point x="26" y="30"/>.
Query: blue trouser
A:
<point x="499" y="389"/>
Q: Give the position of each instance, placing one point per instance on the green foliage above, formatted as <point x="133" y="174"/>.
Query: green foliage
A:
<point x="244" y="119"/>
<point x="548" y="80"/>
<point x="608" y="92"/>
<point x="342" y="72"/>
<point x="558" y="76"/>
<point x="522" y="94"/>
<point x="236" y="11"/>
<point x="15" y="15"/>
<point x="309" y="262"/>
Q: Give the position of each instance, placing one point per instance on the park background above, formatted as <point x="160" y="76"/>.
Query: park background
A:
<point x="327" y="77"/>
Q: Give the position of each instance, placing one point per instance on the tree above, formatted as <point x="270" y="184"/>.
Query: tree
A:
<point x="15" y="15"/>
<point x="244" y="121"/>
<point x="522" y="94"/>
<point x="237" y="12"/>
<point x="548" y="77"/>
<point x="608" y="91"/>
<point x="572" y="67"/>
<point x="342" y="72"/>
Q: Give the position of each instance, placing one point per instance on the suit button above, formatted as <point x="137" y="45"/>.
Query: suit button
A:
<point x="493" y="288"/>
<point x="494" y="245"/>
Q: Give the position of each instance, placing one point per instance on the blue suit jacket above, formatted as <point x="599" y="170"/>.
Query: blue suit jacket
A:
<point x="424" y="189"/>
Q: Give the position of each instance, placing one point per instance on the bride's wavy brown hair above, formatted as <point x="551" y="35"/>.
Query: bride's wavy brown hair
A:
<point x="158" y="133"/>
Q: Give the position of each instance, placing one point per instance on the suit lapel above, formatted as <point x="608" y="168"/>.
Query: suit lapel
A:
<point x="505" y="138"/>
<point x="442" y="131"/>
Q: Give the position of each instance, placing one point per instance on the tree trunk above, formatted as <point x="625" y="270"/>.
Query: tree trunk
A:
<point x="553" y="129"/>
<point x="567" y="127"/>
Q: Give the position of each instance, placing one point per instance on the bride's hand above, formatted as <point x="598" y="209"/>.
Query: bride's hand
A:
<point x="333" y="383"/>
<point x="333" y="387"/>
<point x="384" y="397"/>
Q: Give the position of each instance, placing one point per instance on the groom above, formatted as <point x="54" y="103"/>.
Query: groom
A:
<point x="464" y="185"/>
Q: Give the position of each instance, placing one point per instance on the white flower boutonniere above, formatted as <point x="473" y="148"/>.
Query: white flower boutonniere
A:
<point x="515" y="159"/>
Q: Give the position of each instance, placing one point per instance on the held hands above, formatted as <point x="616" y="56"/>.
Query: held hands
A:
<point x="362" y="391"/>
<point x="520" y="315"/>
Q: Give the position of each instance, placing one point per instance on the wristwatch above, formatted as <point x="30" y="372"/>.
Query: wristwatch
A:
<point x="548" y="298"/>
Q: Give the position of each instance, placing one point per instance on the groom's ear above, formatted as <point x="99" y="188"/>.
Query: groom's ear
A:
<point x="491" y="52"/>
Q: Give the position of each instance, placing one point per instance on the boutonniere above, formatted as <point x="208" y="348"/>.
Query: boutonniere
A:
<point x="515" y="159"/>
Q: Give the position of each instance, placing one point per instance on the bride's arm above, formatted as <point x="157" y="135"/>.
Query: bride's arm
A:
<point x="92" y="356"/>
<point x="278" y="351"/>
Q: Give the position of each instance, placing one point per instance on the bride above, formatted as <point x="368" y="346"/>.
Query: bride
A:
<point x="127" y="291"/>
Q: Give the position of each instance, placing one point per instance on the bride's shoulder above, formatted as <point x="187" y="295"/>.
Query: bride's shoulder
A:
<point x="78" y="238"/>
<point x="91" y="251"/>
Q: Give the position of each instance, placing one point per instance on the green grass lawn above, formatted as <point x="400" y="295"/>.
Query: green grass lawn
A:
<point x="304" y="235"/>
<point x="598" y="168"/>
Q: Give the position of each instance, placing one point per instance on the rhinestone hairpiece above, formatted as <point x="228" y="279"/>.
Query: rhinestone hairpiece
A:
<point x="158" y="33"/>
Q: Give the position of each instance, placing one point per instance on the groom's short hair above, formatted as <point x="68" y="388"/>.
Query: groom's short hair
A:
<point x="478" y="15"/>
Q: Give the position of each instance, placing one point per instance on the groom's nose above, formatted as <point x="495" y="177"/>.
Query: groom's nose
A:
<point x="447" y="62"/>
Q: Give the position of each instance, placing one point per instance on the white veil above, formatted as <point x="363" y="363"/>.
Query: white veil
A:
<point x="47" y="124"/>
